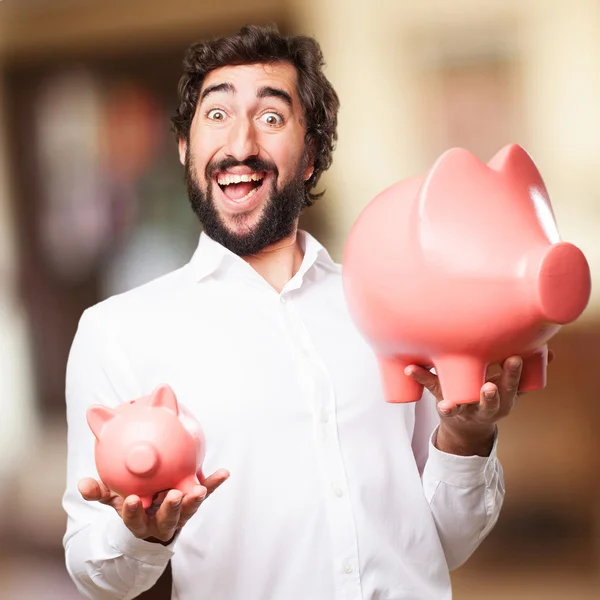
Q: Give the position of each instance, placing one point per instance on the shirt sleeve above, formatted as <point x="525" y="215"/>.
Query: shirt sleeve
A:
<point x="104" y="559"/>
<point x="465" y="493"/>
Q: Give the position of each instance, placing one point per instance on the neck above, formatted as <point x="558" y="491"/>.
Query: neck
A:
<point x="278" y="263"/>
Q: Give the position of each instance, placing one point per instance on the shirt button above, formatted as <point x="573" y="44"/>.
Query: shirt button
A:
<point x="338" y="491"/>
<point x="324" y="418"/>
<point x="348" y="568"/>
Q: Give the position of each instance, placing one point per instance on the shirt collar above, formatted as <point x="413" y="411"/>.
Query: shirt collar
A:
<point x="211" y="257"/>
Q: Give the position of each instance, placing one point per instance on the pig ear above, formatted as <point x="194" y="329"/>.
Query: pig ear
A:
<point x="450" y="197"/>
<point x="97" y="416"/>
<point x="164" y="396"/>
<point x="514" y="162"/>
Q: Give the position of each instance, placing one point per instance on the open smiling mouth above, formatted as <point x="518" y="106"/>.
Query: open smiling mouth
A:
<point x="240" y="188"/>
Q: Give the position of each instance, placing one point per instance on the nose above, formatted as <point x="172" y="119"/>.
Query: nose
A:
<point x="242" y="143"/>
<point x="564" y="284"/>
<point x="142" y="459"/>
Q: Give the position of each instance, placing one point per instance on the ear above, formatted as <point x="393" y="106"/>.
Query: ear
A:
<point x="518" y="168"/>
<point x="97" y="416"/>
<point x="451" y="190"/>
<point x="182" y="150"/>
<point x="309" y="160"/>
<point x="458" y="211"/>
<point x="515" y="163"/>
<point x="164" y="396"/>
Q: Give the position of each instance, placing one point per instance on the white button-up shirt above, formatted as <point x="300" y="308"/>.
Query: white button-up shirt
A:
<point x="334" y="494"/>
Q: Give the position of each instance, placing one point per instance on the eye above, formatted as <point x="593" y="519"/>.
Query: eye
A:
<point x="216" y="114"/>
<point x="272" y="118"/>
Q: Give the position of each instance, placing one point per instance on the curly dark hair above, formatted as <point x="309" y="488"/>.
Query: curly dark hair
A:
<point x="253" y="45"/>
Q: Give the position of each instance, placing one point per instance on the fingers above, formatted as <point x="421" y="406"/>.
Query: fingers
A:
<point x="94" y="490"/>
<point x="190" y="504"/>
<point x="157" y="501"/>
<point x="192" y="501"/>
<point x="448" y="409"/>
<point x="510" y="377"/>
<point x="212" y="482"/>
<point x="134" y="517"/>
<point x="89" y="489"/>
<point x="170" y="510"/>
<point x="425" y="378"/>
<point x="167" y="517"/>
<point x="489" y="401"/>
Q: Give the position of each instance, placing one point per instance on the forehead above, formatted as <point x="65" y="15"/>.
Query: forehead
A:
<point x="249" y="78"/>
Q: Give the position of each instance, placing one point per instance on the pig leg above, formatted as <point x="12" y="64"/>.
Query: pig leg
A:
<point x="461" y="378"/>
<point x="533" y="374"/>
<point x="185" y="485"/>
<point x="398" y="387"/>
<point x="146" y="502"/>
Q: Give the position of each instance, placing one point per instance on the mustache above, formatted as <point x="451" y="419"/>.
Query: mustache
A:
<point x="256" y="164"/>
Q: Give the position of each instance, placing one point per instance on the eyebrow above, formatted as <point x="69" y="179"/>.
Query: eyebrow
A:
<point x="218" y="87"/>
<point x="263" y="92"/>
<point x="271" y="92"/>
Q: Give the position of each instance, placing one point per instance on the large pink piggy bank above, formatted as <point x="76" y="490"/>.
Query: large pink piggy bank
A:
<point x="147" y="445"/>
<point x="460" y="269"/>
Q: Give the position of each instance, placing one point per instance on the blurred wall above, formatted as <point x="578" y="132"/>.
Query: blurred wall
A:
<point x="532" y="67"/>
<point x="18" y="420"/>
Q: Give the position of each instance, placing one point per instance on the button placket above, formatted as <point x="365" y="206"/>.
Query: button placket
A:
<point x="329" y="452"/>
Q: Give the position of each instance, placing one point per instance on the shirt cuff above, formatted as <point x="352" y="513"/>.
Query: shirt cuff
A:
<point x="152" y="553"/>
<point x="461" y="471"/>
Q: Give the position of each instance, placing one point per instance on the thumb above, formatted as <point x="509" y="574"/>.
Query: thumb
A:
<point x="92" y="490"/>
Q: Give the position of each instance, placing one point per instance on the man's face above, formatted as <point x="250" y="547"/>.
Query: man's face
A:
<point x="246" y="164"/>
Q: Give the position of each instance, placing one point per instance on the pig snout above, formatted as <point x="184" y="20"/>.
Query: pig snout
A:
<point x="563" y="283"/>
<point x="142" y="459"/>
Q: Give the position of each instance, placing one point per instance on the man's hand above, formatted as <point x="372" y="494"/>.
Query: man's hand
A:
<point x="169" y="512"/>
<point x="468" y="429"/>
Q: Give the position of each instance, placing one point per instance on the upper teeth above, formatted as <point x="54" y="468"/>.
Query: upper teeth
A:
<point x="227" y="178"/>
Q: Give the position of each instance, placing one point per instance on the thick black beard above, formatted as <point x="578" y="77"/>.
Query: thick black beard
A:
<point x="278" y="218"/>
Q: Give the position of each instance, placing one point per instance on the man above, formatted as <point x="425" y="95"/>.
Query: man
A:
<point x="333" y="492"/>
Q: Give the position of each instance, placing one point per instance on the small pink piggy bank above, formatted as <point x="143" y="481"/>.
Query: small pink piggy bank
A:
<point x="148" y="445"/>
<point x="460" y="269"/>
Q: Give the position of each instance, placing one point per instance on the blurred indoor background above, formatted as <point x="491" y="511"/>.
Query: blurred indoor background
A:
<point x="92" y="202"/>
